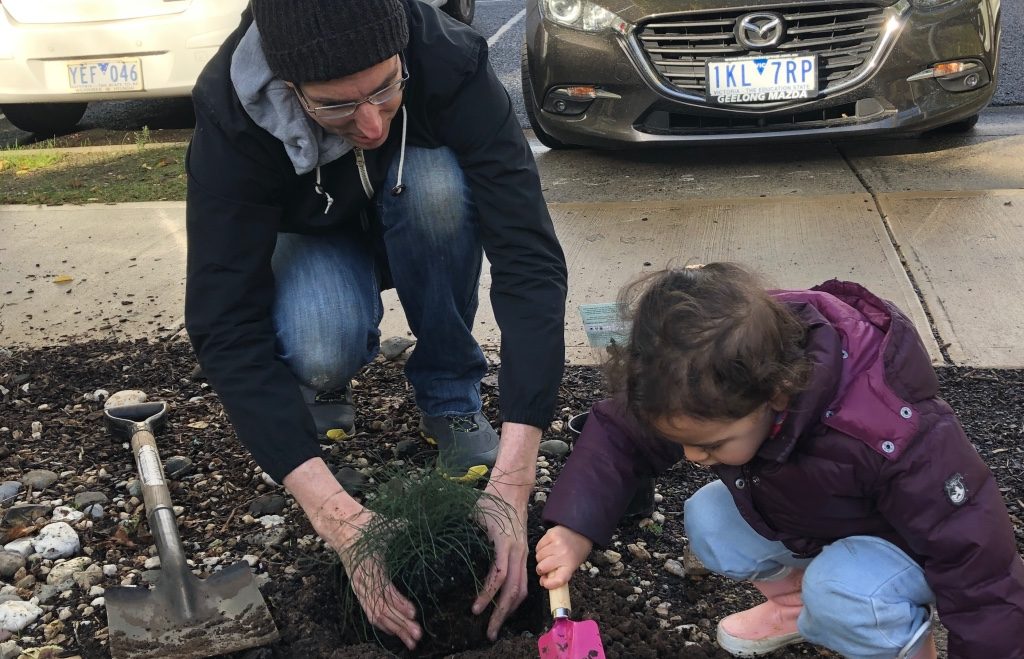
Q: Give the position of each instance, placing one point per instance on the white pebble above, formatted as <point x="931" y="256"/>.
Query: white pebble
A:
<point x="268" y="480"/>
<point x="16" y="615"/>
<point x="657" y="517"/>
<point x="110" y="570"/>
<point x="251" y="560"/>
<point x="57" y="540"/>
<point x="96" y="591"/>
<point x="152" y="563"/>
<point x="658" y="498"/>
<point x="98" y="602"/>
<point x="67" y="514"/>
<point x="269" y="521"/>
<point x="593" y="571"/>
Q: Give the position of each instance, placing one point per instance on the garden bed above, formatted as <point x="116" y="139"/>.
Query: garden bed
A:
<point x="642" y="609"/>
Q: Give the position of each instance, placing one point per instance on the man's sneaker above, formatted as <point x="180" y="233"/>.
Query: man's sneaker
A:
<point x="332" y="411"/>
<point x="462" y="441"/>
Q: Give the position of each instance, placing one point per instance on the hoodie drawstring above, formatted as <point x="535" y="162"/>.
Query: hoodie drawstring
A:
<point x="364" y="176"/>
<point x="320" y="191"/>
<point x="400" y="187"/>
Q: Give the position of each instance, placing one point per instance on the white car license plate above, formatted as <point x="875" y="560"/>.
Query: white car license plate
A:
<point x="113" y="75"/>
<point x="762" y="79"/>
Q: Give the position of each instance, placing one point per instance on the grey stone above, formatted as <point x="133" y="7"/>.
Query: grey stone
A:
<point x="89" y="577"/>
<point x="10" y="563"/>
<point x="39" y="479"/>
<point x="150" y="576"/>
<point x="351" y="480"/>
<point x="393" y="347"/>
<point x="46" y="592"/>
<point x="95" y="511"/>
<point x="63" y="574"/>
<point x="489" y="381"/>
<point x="134" y="488"/>
<point x="178" y="466"/>
<point x="85" y="499"/>
<point x="692" y="564"/>
<point x="8" y="491"/>
<point x="9" y="597"/>
<point x="10" y="650"/>
<point x="554" y="448"/>
<point x="275" y="535"/>
<point x="268" y="504"/>
<point x="126" y="397"/>
<point x="25" y="513"/>
<point x="675" y="567"/>
<point x="21" y="546"/>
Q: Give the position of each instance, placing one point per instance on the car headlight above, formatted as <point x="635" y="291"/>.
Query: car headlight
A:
<point x="582" y="15"/>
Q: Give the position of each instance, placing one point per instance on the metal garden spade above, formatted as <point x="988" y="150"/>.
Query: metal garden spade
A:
<point x="567" y="639"/>
<point x="182" y="616"/>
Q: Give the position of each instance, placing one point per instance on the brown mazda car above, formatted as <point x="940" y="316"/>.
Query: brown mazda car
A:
<point x="617" y="73"/>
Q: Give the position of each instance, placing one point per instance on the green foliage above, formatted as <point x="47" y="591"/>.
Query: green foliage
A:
<point x="654" y="529"/>
<point x="427" y="533"/>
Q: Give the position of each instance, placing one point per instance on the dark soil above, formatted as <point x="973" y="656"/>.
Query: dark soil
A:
<point x="303" y="589"/>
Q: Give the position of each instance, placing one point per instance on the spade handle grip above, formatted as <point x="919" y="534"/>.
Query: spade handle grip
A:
<point x="561" y="606"/>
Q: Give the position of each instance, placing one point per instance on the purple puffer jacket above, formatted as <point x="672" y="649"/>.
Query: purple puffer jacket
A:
<point x="867" y="449"/>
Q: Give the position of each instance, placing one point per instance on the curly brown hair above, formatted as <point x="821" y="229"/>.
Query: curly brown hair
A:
<point x="707" y="342"/>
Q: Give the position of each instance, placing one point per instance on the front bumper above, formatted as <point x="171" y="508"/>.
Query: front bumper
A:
<point x="637" y="107"/>
<point x="172" y="50"/>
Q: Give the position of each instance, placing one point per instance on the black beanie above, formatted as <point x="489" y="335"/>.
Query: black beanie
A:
<point x="316" y="40"/>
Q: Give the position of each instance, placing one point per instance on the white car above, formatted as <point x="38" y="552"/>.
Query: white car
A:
<point x="56" y="56"/>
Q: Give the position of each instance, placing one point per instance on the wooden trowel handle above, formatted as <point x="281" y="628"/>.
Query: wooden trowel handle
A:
<point x="561" y="606"/>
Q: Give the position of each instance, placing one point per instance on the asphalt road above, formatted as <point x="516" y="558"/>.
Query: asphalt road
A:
<point x="501" y="22"/>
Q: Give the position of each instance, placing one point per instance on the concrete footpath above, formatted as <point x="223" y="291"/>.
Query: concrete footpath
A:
<point x="934" y="224"/>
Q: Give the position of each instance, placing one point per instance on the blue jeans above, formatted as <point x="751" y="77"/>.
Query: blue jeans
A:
<point x="863" y="596"/>
<point x="327" y="308"/>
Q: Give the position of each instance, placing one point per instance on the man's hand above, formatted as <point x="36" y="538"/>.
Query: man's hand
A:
<point x="559" y="553"/>
<point x="503" y="515"/>
<point x="339" y="519"/>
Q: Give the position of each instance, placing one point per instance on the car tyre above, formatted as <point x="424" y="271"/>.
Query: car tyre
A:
<point x="531" y="107"/>
<point x="461" y="10"/>
<point x="45" y="119"/>
<point x="961" y="126"/>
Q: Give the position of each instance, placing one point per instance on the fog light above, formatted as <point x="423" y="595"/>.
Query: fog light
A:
<point x="572" y="100"/>
<point x="958" y="76"/>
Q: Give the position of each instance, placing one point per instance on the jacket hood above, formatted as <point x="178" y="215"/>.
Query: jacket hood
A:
<point x="871" y="367"/>
<point x="272" y="105"/>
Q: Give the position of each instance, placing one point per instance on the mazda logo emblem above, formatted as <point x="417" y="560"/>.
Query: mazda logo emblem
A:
<point x="760" y="30"/>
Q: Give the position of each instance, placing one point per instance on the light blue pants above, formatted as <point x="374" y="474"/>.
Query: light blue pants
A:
<point x="327" y="307"/>
<point x="863" y="596"/>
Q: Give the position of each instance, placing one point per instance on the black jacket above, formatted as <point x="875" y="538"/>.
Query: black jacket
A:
<point x="243" y="190"/>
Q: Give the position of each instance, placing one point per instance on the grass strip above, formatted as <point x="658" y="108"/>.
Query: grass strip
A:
<point x="153" y="173"/>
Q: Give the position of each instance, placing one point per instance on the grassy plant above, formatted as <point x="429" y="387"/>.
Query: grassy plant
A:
<point x="426" y="534"/>
<point x="142" y="138"/>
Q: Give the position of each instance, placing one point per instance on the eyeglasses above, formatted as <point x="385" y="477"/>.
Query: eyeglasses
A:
<point x="343" y="110"/>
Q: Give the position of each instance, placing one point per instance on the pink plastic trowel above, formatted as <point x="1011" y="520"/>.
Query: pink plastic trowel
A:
<point x="567" y="639"/>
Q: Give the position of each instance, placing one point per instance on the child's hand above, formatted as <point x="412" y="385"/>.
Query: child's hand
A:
<point x="559" y="553"/>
